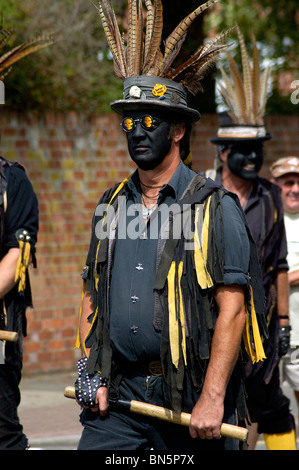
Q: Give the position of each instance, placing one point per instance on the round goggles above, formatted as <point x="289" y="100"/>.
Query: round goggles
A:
<point x="147" y="122"/>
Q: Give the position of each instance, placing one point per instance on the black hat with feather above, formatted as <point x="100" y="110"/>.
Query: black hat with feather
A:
<point x="149" y="81"/>
<point x="245" y="98"/>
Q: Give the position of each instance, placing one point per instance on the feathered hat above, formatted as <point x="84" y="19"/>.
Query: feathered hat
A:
<point x="245" y="98"/>
<point x="18" y="52"/>
<point x="146" y="69"/>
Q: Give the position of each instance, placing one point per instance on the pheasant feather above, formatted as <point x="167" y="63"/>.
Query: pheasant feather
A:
<point x="179" y="33"/>
<point x="246" y="76"/>
<point x="156" y="37"/>
<point x="21" y="51"/>
<point x="256" y="77"/>
<point x="142" y="54"/>
<point x="246" y="95"/>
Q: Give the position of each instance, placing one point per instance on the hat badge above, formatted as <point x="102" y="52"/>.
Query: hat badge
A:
<point x="135" y="92"/>
<point x="159" y="91"/>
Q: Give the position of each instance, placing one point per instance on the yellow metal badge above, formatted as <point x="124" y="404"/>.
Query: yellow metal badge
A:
<point x="159" y="90"/>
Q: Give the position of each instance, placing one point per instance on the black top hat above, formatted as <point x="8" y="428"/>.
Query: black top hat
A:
<point x="146" y="68"/>
<point x="146" y="92"/>
<point x="229" y="131"/>
<point x="245" y="97"/>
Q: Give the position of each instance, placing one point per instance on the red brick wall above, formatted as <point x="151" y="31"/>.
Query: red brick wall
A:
<point x="71" y="160"/>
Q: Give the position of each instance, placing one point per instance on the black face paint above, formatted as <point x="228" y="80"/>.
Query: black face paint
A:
<point x="246" y="159"/>
<point x="148" y="147"/>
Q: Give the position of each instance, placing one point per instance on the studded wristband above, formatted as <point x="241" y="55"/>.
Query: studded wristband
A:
<point x="87" y="385"/>
<point x="283" y="340"/>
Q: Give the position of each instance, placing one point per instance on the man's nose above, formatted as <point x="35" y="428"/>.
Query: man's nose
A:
<point x="138" y="132"/>
<point x="252" y="155"/>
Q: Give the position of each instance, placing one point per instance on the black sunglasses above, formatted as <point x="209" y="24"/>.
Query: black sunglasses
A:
<point x="147" y="122"/>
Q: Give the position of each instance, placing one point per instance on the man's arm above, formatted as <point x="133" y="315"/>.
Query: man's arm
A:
<point x="283" y="297"/>
<point x="207" y="414"/>
<point x="8" y="266"/>
<point x="293" y="278"/>
<point x="84" y="326"/>
<point x="87" y="309"/>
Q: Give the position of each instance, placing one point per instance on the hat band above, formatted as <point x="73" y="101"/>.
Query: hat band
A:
<point x="154" y="89"/>
<point x="242" y="132"/>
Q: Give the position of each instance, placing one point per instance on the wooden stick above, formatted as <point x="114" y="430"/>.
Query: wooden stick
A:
<point x="175" y="417"/>
<point x="8" y="336"/>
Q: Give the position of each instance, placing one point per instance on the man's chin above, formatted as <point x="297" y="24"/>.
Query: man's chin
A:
<point x="146" y="163"/>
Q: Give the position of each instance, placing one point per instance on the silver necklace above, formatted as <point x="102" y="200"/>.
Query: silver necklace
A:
<point x="147" y="211"/>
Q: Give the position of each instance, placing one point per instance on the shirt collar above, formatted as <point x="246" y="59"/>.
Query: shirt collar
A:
<point x="174" y="188"/>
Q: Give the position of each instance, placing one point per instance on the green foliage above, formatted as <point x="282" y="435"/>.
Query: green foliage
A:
<point x="69" y="75"/>
<point x="74" y="73"/>
<point x="275" y="24"/>
<point x="281" y="104"/>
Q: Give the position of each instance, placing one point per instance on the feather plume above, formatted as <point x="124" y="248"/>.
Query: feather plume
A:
<point x="140" y="43"/>
<point x="142" y="55"/>
<point x="245" y="96"/>
<point x="263" y="93"/>
<point x="21" y="51"/>
<point x="229" y="95"/>
<point x="113" y="37"/>
<point x="155" y="39"/>
<point x="246" y="76"/>
<point x="175" y="40"/>
<point x="228" y="99"/>
<point x="149" y="28"/>
<point x="4" y="33"/>
<point x="238" y="89"/>
<point x="201" y="62"/>
<point x="256" y="77"/>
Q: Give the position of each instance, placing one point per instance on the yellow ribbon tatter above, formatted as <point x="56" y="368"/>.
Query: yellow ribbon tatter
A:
<point x="23" y="260"/>
<point x="188" y="159"/>
<point x="78" y="342"/>
<point x="201" y="249"/>
<point x="256" y="350"/>
<point x="176" y="316"/>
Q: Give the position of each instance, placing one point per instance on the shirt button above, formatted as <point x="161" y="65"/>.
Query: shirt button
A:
<point x="134" y="298"/>
<point x="134" y="329"/>
<point x="139" y="267"/>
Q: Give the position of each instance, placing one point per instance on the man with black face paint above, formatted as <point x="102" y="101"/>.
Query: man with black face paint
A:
<point x="163" y="311"/>
<point x="148" y="148"/>
<point x="237" y="165"/>
<point x="260" y="199"/>
<point x="245" y="160"/>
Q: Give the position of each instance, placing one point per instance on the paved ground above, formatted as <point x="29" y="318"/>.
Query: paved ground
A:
<point x="51" y="421"/>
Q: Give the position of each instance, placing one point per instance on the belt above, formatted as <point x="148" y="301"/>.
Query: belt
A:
<point x="154" y="368"/>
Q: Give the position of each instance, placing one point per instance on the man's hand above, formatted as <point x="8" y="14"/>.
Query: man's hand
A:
<point x="207" y="414"/>
<point x="206" y="418"/>
<point x="102" y="402"/>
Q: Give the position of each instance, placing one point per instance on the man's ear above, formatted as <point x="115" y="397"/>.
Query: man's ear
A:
<point x="224" y="154"/>
<point x="179" y="132"/>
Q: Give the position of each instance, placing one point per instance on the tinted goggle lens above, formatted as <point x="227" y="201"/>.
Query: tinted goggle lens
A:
<point x="129" y="124"/>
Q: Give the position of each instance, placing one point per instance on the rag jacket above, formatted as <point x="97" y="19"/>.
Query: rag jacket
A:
<point x="185" y="311"/>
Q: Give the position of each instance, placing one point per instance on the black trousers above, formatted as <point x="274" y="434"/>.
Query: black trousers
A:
<point x="267" y="405"/>
<point x="128" y="431"/>
<point x="11" y="431"/>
